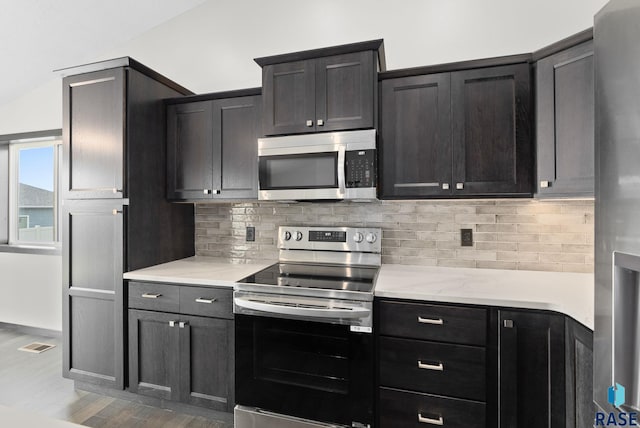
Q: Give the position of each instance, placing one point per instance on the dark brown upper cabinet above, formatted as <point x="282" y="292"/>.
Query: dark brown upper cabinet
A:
<point x="415" y="144"/>
<point x="327" y="89"/>
<point x="458" y="130"/>
<point x="212" y="146"/>
<point x="491" y="132"/>
<point x="565" y="118"/>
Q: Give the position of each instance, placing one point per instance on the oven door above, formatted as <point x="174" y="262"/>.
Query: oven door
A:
<point x="303" y="369"/>
<point x="302" y="173"/>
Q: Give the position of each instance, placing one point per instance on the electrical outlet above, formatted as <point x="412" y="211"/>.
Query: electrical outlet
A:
<point x="466" y="237"/>
<point x="251" y="233"/>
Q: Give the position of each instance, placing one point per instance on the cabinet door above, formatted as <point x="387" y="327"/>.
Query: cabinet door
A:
<point x="345" y="86"/>
<point x="415" y="145"/>
<point x="93" y="106"/>
<point x="206" y="362"/>
<point x="491" y="131"/>
<point x="93" y="344"/>
<point x="190" y="151"/>
<point x="531" y="372"/>
<point x="289" y="98"/>
<point x="237" y="125"/>
<point x="565" y="122"/>
<point x="153" y="354"/>
<point x="579" y="373"/>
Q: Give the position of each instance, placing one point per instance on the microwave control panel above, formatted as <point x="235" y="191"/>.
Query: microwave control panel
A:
<point x="360" y="168"/>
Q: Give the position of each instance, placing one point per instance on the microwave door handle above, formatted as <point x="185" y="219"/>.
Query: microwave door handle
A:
<point x="341" y="170"/>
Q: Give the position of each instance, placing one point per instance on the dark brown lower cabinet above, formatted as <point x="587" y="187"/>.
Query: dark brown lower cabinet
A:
<point x="531" y="367"/>
<point x="181" y="358"/>
<point x="181" y="344"/>
<point x="400" y="408"/>
<point x="534" y="370"/>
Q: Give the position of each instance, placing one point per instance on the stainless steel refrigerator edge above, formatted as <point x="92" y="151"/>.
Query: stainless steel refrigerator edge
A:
<point x="617" y="206"/>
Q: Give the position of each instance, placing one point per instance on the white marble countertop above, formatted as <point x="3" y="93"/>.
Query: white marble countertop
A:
<point x="198" y="270"/>
<point x="567" y="293"/>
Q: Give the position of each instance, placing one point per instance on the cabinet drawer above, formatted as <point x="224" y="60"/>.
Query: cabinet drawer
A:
<point x="207" y="301"/>
<point x="414" y="410"/>
<point x="433" y="322"/>
<point x="153" y="296"/>
<point x="444" y="369"/>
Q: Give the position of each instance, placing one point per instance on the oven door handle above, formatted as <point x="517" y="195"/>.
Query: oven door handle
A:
<point x="301" y="311"/>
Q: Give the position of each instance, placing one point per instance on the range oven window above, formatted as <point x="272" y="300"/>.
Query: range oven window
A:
<point x="311" y="370"/>
<point x="312" y="359"/>
<point x="299" y="171"/>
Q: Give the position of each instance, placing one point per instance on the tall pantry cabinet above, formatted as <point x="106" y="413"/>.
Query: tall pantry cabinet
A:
<point x="115" y="216"/>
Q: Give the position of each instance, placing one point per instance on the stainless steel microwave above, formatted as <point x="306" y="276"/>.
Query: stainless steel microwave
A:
<point x="335" y="165"/>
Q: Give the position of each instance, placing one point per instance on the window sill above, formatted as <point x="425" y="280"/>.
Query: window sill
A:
<point x="30" y="249"/>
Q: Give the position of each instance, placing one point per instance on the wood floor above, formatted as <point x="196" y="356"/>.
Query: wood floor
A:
<point x="34" y="383"/>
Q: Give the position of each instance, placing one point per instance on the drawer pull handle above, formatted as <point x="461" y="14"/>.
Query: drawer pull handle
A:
<point x="151" y="295"/>
<point x="438" y="367"/>
<point x="183" y="324"/>
<point x="203" y="300"/>
<point x="430" y="321"/>
<point x="172" y="323"/>
<point x="431" y="421"/>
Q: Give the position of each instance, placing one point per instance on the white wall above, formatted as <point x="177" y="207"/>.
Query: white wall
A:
<point x="30" y="290"/>
<point x="211" y="48"/>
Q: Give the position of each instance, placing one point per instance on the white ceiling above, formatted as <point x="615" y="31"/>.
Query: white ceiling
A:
<point x="39" y="36"/>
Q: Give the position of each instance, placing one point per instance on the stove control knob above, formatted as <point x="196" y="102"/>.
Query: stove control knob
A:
<point x="298" y="236"/>
<point x="287" y="235"/>
<point x="358" y="237"/>
<point x="371" y="238"/>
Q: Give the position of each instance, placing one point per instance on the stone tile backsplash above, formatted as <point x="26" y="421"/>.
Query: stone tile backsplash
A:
<point x="507" y="233"/>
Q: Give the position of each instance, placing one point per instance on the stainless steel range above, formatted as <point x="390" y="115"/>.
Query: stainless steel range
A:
<point x="304" y="349"/>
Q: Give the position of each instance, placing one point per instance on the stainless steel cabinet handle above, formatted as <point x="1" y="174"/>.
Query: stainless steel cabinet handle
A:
<point x="216" y="191"/>
<point x="459" y="186"/>
<point x="172" y="323"/>
<point x="309" y="123"/>
<point x="114" y="190"/>
<point x="320" y="122"/>
<point x="437" y="367"/>
<point x="203" y="300"/>
<point x="206" y="191"/>
<point x="445" y="186"/>
<point x="544" y="184"/>
<point x="116" y="212"/>
<point x="151" y="295"/>
<point x="431" y="421"/>
<point x="433" y="321"/>
<point x="182" y="324"/>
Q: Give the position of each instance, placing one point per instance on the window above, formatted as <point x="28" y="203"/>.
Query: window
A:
<point x="31" y="206"/>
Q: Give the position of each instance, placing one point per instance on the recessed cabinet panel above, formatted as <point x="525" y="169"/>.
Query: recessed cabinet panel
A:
<point x="289" y="97"/>
<point x="236" y="128"/>
<point x="565" y="122"/>
<point x="491" y="131"/>
<point x="415" y="142"/>
<point x="93" y="330"/>
<point x="190" y="150"/>
<point x="206" y="367"/>
<point x="153" y="354"/>
<point x="344" y="91"/>
<point x="96" y="248"/>
<point x="93" y="135"/>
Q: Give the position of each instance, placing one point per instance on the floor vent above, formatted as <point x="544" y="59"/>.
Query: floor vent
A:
<point x="36" y="347"/>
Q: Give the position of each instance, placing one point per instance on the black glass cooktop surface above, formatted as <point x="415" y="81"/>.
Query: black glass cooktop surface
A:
<point x="329" y="277"/>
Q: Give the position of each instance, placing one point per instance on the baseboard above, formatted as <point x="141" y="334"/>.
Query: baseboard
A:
<point x="156" y="402"/>
<point x="34" y="331"/>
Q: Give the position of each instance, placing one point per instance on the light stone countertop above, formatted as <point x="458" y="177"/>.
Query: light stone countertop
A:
<point x="198" y="270"/>
<point x="567" y="293"/>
